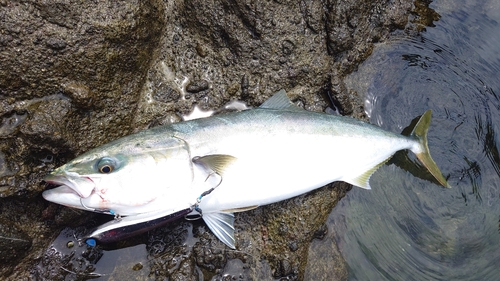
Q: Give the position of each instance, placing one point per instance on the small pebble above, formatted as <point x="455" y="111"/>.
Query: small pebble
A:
<point x="137" y="266"/>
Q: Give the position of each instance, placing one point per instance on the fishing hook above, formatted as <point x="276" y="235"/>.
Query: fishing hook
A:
<point x="101" y="211"/>
<point x="198" y="200"/>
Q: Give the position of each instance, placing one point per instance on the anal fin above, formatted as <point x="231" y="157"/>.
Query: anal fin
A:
<point x="222" y="225"/>
<point x="363" y="180"/>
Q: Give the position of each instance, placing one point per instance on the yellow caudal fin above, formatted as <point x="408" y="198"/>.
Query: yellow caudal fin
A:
<point x="423" y="153"/>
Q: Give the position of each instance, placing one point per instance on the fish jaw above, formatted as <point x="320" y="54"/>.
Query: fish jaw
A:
<point x="63" y="195"/>
<point x="71" y="188"/>
<point x="81" y="185"/>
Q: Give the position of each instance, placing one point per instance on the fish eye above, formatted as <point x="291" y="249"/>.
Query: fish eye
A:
<point x="106" y="169"/>
<point x="106" y="165"/>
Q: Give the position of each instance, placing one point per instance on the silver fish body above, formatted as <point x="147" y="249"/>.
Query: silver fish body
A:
<point x="229" y="163"/>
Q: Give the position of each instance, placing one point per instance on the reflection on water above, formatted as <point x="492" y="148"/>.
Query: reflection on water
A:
<point x="407" y="228"/>
<point x="179" y="251"/>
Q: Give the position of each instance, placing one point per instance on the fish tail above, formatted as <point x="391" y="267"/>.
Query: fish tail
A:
<point x="422" y="152"/>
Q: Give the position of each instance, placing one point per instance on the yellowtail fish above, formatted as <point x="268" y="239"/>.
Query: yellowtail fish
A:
<point x="227" y="163"/>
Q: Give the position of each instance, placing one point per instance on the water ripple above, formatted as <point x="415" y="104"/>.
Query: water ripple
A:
<point x="407" y="228"/>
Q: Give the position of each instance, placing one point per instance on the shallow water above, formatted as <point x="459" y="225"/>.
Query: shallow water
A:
<point x="407" y="228"/>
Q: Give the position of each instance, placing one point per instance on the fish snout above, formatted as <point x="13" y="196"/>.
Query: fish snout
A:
<point x="81" y="185"/>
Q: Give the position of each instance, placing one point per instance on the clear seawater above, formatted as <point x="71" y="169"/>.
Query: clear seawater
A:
<point x="406" y="227"/>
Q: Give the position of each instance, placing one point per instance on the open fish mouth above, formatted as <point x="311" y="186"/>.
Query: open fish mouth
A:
<point x="63" y="195"/>
<point x="81" y="185"/>
<point x="57" y="181"/>
<point x="69" y="189"/>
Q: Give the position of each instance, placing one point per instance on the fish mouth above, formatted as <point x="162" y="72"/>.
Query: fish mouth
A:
<point x="62" y="195"/>
<point x="81" y="185"/>
<point x="77" y="192"/>
<point x="70" y="189"/>
<point x="57" y="181"/>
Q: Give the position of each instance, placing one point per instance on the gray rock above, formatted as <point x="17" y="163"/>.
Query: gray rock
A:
<point x="94" y="53"/>
<point x="77" y="74"/>
<point x="197" y="86"/>
<point x="14" y="243"/>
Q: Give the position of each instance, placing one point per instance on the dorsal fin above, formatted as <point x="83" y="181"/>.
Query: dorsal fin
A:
<point x="279" y="100"/>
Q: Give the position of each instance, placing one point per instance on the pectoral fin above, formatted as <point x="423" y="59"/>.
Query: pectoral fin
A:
<point x="215" y="162"/>
<point x="222" y="225"/>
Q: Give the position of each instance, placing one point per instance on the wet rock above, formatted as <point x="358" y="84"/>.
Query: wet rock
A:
<point x="165" y="93"/>
<point x="287" y="47"/>
<point x="244" y="85"/>
<point x="56" y="44"/>
<point x="20" y="236"/>
<point x="424" y="16"/>
<point x="342" y="98"/>
<point x="233" y="89"/>
<point x="13" y="242"/>
<point x="197" y="86"/>
<point x="76" y="75"/>
<point x="201" y="50"/>
<point x="62" y="14"/>
<point x="10" y="122"/>
<point x="313" y="12"/>
<point x="57" y="262"/>
<point x="325" y="261"/>
<point x="293" y="246"/>
<point x="69" y="81"/>
<point x="189" y="251"/>
<point x="321" y="232"/>
<point x="95" y="53"/>
<point x="353" y="26"/>
<point x="80" y="95"/>
<point x="284" y="269"/>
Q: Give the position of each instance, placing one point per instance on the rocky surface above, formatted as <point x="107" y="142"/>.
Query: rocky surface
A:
<point x="77" y="74"/>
